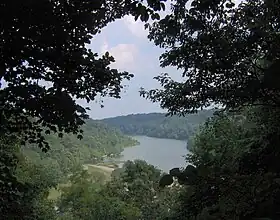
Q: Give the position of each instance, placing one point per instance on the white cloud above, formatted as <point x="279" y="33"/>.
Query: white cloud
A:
<point x="135" y="27"/>
<point x="125" y="55"/>
<point x="237" y="2"/>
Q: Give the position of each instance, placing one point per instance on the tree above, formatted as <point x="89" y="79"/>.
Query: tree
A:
<point x="230" y="175"/>
<point x="46" y="65"/>
<point x="23" y="191"/>
<point x="137" y="185"/>
<point x="134" y="178"/>
<point x="84" y="200"/>
<point x="157" y="125"/>
<point x="10" y="188"/>
<point x="228" y="55"/>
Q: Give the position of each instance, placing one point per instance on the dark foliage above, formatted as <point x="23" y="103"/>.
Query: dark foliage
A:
<point x="228" y="55"/>
<point x="46" y="66"/>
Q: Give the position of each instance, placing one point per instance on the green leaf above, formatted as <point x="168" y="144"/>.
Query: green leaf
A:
<point x="60" y="134"/>
<point x="175" y="172"/>
<point x="230" y="5"/>
<point x="156" y="16"/>
<point x="162" y="6"/>
<point x="145" y="16"/>
<point x="190" y="170"/>
<point x="166" y="180"/>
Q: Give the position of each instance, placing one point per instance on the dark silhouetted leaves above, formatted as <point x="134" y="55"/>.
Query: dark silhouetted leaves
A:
<point x="166" y="180"/>
<point x="46" y="65"/>
<point x="60" y="135"/>
<point x="218" y="50"/>
<point x="175" y="172"/>
<point x="190" y="171"/>
<point x="80" y="136"/>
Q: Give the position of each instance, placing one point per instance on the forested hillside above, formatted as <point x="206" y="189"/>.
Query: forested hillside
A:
<point x="228" y="55"/>
<point x="67" y="152"/>
<point x="159" y="125"/>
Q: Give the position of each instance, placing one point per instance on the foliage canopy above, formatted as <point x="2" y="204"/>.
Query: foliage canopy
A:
<point x="228" y="55"/>
<point x="158" y="125"/>
<point x="232" y="172"/>
<point x="46" y="65"/>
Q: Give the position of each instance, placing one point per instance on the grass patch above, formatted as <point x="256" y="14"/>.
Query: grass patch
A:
<point x="55" y="193"/>
<point x="98" y="173"/>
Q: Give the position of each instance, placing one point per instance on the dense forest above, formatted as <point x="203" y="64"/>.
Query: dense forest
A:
<point x="159" y="125"/>
<point x="221" y="149"/>
<point x="99" y="141"/>
<point x="228" y="54"/>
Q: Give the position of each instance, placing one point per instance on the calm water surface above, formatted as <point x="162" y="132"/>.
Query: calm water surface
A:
<point x="162" y="153"/>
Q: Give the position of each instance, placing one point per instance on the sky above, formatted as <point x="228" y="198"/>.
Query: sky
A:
<point x="127" y="41"/>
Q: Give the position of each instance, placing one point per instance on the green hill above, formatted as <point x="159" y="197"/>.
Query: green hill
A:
<point x="98" y="140"/>
<point x="158" y="125"/>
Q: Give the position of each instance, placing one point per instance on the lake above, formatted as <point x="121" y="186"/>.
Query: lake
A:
<point x="165" y="154"/>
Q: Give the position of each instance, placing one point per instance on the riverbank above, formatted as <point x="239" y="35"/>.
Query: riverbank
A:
<point x="105" y="169"/>
<point x="165" y="154"/>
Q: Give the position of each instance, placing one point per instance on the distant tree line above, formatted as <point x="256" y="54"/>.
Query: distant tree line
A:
<point x="159" y="125"/>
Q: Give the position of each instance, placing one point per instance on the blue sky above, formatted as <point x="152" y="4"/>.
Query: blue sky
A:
<point x="127" y="41"/>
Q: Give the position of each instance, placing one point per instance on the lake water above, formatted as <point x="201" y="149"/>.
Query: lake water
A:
<point x="165" y="154"/>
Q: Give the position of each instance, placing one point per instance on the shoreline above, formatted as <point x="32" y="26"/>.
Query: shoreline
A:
<point x="101" y="167"/>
